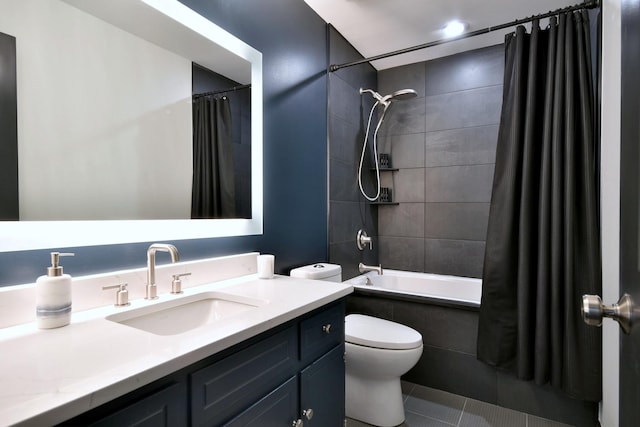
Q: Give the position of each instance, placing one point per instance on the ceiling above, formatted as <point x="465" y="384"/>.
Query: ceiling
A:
<point x="375" y="27"/>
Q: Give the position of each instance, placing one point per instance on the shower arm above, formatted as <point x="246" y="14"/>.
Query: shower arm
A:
<point x="384" y="100"/>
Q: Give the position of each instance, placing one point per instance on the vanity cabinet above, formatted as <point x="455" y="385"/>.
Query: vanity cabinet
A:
<point x="292" y="373"/>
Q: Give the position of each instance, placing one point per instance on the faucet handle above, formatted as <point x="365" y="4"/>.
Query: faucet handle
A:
<point x="176" y="283"/>
<point x="122" y="295"/>
<point x="362" y="240"/>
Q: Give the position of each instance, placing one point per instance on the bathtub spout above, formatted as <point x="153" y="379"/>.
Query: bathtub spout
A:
<point x="364" y="268"/>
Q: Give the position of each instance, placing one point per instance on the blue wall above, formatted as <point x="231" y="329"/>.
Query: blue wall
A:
<point x="292" y="39"/>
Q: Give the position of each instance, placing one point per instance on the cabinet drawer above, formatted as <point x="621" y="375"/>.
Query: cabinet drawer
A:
<point x="224" y="389"/>
<point x="321" y="332"/>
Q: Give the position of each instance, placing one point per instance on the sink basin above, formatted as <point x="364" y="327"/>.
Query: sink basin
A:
<point x="186" y="313"/>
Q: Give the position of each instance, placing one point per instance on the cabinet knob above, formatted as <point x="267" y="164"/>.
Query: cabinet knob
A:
<point x="308" y="413"/>
<point x="327" y="328"/>
<point x="298" y="423"/>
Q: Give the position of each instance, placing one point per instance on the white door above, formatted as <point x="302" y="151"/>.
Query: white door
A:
<point x="620" y="197"/>
<point x="629" y="211"/>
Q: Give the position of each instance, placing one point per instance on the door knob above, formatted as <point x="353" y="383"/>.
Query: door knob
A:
<point x="623" y="312"/>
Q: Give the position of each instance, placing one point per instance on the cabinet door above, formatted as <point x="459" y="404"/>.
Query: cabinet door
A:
<point x="166" y="408"/>
<point x="224" y="389"/>
<point x="278" y="409"/>
<point x="322" y="390"/>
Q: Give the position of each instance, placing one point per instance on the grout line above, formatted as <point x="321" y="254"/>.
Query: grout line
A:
<point x="453" y="129"/>
<point x="463" y="90"/>
<point x="455" y="203"/>
<point x="424" y="238"/>
<point x="431" y="418"/>
<point x="410" y="392"/>
<point x="459" y="165"/>
<point x="464" y="406"/>
<point x="400" y="169"/>
<point x="439" y="203"/>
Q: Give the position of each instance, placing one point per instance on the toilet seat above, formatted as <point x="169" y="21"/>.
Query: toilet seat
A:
<point x="379" y="333"/>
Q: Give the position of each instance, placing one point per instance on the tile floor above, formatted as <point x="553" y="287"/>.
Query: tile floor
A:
<point x="428" y="407"/>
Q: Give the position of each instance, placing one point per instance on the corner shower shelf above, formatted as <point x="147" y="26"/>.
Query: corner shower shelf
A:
<point x="385" y="203"/>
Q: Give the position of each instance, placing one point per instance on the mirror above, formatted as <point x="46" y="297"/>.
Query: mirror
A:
<point x="166" y="36"/>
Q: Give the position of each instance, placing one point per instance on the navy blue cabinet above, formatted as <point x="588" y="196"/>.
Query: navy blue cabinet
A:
<point x="292" y="373"/>
<point x="322" y="390"/>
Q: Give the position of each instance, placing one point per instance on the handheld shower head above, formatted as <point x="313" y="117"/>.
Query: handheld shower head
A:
<point x="403" y="94"/>
<point x="399" y="95"/>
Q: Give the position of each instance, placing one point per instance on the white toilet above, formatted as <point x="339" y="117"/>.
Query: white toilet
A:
<point x="378" y="352"/>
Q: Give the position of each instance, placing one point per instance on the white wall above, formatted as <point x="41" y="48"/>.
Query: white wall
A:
<point x="610" y="200"/>
<point x="104" y="118"/>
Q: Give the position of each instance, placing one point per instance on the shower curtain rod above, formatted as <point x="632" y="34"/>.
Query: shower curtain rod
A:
<point x="231" y="89"/>
<point x="586" y="5"/>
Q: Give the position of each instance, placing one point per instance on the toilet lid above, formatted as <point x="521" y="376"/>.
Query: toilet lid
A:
<point x="379" y="333"/>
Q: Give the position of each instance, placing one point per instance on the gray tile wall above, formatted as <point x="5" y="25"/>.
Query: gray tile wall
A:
<point x="443" y="142"/>
<point x="347" y="115"/>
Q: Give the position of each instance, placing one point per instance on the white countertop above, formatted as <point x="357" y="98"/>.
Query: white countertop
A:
<point x="48" y="376"/>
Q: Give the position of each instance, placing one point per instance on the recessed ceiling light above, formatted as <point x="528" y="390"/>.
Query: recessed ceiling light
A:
<point x="454" y="28"/>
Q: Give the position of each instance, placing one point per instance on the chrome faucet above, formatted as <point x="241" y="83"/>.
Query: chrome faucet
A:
<point x="364" y="268"/>
<point x="152" y="290"/>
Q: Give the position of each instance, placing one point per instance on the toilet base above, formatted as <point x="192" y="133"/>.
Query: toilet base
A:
<point x="377" y="402"/>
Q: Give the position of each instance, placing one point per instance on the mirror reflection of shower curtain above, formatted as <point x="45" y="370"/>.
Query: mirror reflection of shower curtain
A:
<point x="213" y="190"/>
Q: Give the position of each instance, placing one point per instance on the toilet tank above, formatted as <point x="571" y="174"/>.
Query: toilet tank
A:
<point x="320" y="271"/>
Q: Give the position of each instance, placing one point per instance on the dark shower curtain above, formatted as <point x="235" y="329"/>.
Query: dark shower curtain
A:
<point x="213" y="190"/>
<point x="542" y="249"/>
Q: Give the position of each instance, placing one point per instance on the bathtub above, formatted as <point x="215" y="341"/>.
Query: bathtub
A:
<point x="434" y="288"/>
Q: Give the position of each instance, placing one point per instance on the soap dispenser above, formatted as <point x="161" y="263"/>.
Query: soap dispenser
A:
<point x="53" y="295"/>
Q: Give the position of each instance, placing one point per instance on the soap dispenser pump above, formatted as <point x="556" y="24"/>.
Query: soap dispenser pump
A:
<point x="53" y="295"/>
